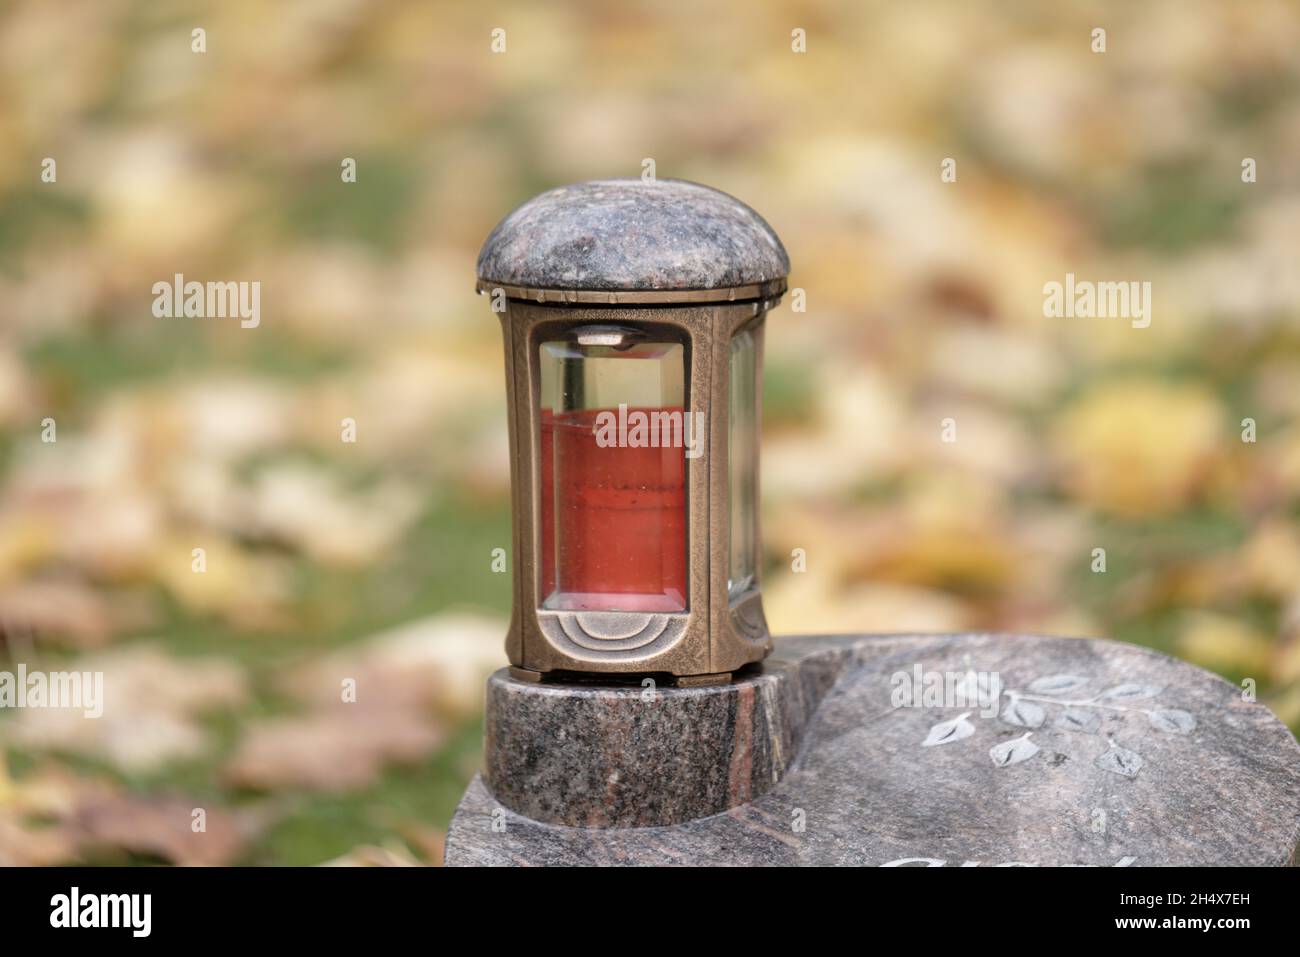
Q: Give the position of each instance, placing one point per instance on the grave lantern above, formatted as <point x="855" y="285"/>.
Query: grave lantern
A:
<point x="632" y="314"/>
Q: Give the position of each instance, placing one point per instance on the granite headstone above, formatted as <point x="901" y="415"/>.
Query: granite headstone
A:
<point x="890" y="750"/>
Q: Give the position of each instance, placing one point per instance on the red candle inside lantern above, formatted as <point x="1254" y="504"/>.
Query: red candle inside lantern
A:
<point x="613" y="440"/>
<point x="613" y="515"/>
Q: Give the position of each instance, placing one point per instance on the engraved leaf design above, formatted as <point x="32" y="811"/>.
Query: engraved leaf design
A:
<point x="945" y="732"/>
<point x="1129" y="692"/>
<point x="1013" y="752"/>
<point x="1172" y="720"/>
<point x="1120" y="761"/>
<point x="1024" y="714"/>
<point x="1057" y="684"/>
<point x="1079" y="719"/>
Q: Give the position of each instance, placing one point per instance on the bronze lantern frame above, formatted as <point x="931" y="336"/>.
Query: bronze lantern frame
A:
<point x="715" y="635"/>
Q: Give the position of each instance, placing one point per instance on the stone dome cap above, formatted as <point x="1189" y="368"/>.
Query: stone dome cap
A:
<point x="627" y="240"/>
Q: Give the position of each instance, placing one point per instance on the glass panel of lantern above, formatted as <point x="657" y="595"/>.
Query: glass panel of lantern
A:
<point x="742" y="460"/>
<point x="613" y="437"/>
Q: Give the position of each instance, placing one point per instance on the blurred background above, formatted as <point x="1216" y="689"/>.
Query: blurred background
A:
<point x="373" y="559"/>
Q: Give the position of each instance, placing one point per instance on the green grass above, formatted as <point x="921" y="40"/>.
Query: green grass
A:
<point x="322" y="827"/>
<point x="443" y="563"/>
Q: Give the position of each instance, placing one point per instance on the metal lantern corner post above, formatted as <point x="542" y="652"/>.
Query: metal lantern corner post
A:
<point x="632" y="314"/>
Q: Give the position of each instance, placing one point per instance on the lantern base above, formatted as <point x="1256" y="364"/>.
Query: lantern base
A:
<point x="704" y="681"/>
<point x="569" y="677"/>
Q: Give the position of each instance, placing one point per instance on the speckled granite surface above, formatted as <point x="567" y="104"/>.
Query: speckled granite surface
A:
<point x="625" y="234"/>
<point x="1094" y="752"/>
<point x="592" y="756"/>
